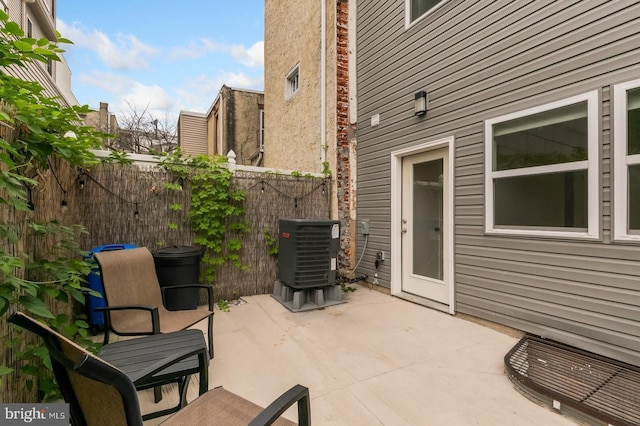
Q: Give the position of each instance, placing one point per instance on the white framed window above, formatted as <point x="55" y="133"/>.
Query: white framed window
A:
<point x="3" y="6"/>
<point x="416" y="10"/>
<point x="292" y="82"/>
<point x="29" y="28"/>
<point x="261" y="129"/>
<point x="626" y="160"/>
<point x="541" y="170"/>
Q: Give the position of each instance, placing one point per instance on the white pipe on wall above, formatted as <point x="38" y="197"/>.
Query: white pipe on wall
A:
<point x="323" y="85"/>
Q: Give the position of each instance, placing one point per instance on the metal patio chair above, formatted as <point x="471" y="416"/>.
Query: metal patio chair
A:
<point x="133" y="297"/>
<point x="148" y="362"/>
<point x="98" y="393"/>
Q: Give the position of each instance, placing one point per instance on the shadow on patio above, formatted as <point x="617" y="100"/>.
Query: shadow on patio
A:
<point x="375" y="360"/>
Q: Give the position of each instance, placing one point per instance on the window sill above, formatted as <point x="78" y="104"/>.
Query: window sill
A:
<point x="544" y="234"/>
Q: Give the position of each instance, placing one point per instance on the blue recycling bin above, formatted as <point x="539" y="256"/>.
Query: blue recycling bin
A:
<point x="94" y="282"/>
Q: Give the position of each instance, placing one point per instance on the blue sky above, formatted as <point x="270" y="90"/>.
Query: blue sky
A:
<point x="162" y="55"/>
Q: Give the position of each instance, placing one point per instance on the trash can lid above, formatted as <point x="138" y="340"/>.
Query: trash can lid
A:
<point x="179" y="251"/>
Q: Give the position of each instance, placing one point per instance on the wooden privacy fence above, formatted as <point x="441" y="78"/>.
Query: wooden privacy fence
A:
<point x="126" y="205"/>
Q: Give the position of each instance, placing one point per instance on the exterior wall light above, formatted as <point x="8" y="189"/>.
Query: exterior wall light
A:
<point x="420" y="103"/>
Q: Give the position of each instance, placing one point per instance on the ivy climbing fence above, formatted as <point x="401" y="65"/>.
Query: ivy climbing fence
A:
<point x="126" y="204"/>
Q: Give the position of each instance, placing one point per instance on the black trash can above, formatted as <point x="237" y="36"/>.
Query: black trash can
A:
<point x="179" y="265"/>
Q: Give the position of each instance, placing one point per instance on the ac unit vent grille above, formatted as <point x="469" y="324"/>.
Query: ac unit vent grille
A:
<point x="307" y="252"/>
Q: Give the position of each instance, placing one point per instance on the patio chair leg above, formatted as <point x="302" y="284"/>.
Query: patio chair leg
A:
<point x="210" y="336"/>
<point x="157" y="394"/>
<point x="182" y="390"/>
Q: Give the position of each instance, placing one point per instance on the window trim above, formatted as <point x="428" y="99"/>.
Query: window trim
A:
<point x="261" y="130"/>
<point x="288" y="91"/>
<point x="592" y="165"/>
<point x="621" y="162"/>
<point x="408" y="23"/>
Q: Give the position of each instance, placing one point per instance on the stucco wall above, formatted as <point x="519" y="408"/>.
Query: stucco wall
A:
<point x="244" y="124"/>
<point x="292" y="127"/>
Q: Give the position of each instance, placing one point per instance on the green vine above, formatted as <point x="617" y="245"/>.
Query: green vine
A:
<point x="118" y="157"/>
<point x="326" y="170"/>
<point x="272" y="244"/>
<point x="38" y="129"/>
<point x="216" y="211"/>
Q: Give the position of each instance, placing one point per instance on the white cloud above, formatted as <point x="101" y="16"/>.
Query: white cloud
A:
<point x="194" y="50"/>
<point x="113" y="83"/>
<point x="152" y="98"/>
<point x="252" y="56"/>
<point x="124" y="53"/>
<point x="127" y="93"/>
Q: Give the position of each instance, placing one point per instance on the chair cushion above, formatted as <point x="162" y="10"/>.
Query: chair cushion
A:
<point x="219" y="406"/>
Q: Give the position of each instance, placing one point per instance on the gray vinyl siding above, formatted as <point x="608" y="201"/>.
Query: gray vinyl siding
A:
<point x="481" y="60"/>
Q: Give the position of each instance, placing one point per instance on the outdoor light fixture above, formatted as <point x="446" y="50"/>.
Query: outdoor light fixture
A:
<point x="420" y="103"/>
<point x="64" y="205"/>
<point x="136" y="213"/>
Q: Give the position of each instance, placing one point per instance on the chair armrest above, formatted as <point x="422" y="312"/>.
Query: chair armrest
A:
<point x="153" y="312"/>
<point x="201" y="286"/>
<point x="299" y="394"/>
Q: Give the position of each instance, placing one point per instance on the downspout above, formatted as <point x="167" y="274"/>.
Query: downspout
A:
<point x="323" y="85"/>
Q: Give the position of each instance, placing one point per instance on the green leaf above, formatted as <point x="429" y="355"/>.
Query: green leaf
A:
<point x="4" y="306"/>
<point x="4" y="370"/>
<point x="51" y="292"/>
<point x="13" y="29"/>
<point x="82" y="324"/>
<point x="29" y="370"/>
<point x="35" y="306"/>
<point x="23" y="46"/>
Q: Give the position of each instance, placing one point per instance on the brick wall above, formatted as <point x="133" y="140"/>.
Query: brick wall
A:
<point x="345" y="138"/>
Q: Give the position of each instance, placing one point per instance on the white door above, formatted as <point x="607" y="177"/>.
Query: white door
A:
<point x="425" y="217"/>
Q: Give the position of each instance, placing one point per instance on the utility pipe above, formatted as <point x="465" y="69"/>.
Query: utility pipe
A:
<point x="323" y="85"/>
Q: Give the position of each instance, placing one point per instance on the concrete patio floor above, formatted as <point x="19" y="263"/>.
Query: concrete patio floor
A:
<point x="375" y="360"/>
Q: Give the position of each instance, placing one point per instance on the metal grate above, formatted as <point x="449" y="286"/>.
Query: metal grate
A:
<point x="600" y="387"/>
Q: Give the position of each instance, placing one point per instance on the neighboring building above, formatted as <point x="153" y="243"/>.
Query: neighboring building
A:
<point x="37" y="18"/>
<point x="235" y="121"/>
<point x="310" y="99"/>
<point x="516" y="197"/>
<point x="192" y="133"/>
<point x="105" y="122"/>
<point x="139" y="133"/>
